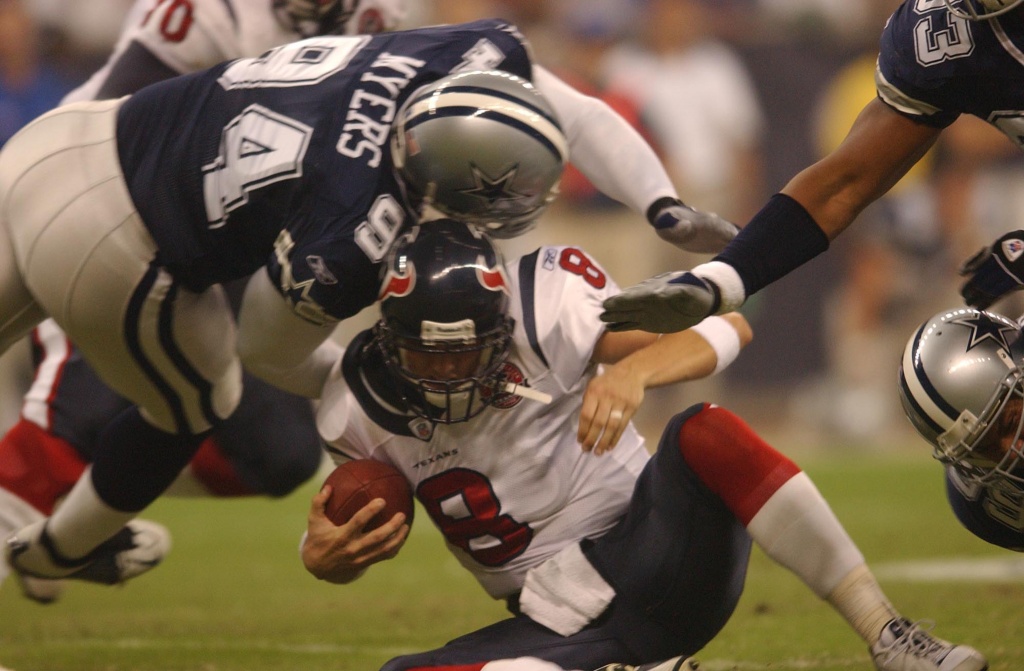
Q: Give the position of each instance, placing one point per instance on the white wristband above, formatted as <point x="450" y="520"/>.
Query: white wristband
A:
<point x="722" y="337"/>
<point x="725" y="277"/>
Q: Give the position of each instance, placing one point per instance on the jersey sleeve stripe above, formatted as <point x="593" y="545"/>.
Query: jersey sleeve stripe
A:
<point x="527" y="282"/>
<point x="900" y="101"/>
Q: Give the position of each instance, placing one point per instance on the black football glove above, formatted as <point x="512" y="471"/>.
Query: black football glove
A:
<point x="994" y="271"/>
<point x="666" y="303"/>
<point x="689" y="229"/>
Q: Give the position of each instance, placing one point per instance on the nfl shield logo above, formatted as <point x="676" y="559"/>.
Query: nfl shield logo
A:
<point x="422" y="428"/>
<point x="1012" y="249"/>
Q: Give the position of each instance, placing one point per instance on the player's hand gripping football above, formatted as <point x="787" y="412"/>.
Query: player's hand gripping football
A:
<point x="340" y="554"/>
<point x="665" y="303"/>
<point x="609" y="403"/>
<point x="994" y="271"/>
<point x="689" y="229"/>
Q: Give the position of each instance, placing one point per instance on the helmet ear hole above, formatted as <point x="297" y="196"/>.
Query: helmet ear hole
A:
<point x="484" y="147"/>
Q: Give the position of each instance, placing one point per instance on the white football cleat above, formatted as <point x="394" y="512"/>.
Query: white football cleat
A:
<point x="674" y="664"/>
<point x="138" y="547"/>
<point x="905" y="646"/>
<point x="15" y="513"/>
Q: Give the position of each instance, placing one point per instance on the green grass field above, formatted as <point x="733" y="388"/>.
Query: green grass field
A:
<point x="233" y="596"/>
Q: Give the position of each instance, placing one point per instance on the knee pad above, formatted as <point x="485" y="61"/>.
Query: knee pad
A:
<point x="732" y="460"/>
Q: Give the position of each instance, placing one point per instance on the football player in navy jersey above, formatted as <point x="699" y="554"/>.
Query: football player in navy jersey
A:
<point x="498" y="394"/>
<point x="269" y="445"/>
<point x="299" y="167"/>
<point x="962" y="387"/>
<point x="938" y="59"/>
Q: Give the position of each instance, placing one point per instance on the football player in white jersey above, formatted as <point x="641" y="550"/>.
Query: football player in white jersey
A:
<point x="937" y="59"/>
<point x="45" y="452"/>
<point x="302" y="164"/>
<point x="499" y="395"/>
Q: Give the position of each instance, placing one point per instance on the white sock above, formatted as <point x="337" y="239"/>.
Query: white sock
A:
<point x="860" y="600"/>
<point x="83" y="521"/>
<point x="797" y="528"/>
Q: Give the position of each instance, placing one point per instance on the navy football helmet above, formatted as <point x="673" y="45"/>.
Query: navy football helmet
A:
<point x="483" y="147"/>
<point x="309" y="18"/>
<point x="444" y="329"/>
<point x="961" y="384"/>
<point x="980" y="10"/>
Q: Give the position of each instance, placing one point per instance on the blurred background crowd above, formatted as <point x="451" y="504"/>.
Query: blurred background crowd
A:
<point x="736" y="96"/>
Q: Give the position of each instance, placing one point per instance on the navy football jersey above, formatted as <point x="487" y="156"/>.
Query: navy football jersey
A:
<point x="934" y="66"/>
<point x="993" y="515"/>
<point x="283" y="160"/>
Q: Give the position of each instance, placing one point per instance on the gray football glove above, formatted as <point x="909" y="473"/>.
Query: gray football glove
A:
<point x="666" y="303"/>
<point x="689" y="229"/>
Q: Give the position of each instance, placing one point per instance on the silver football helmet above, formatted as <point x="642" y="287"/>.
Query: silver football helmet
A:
<point x="961" y="384"/>
<point x="483" y="147"/>
<point x="309" y="18"/>
<point x="980" y="10"/>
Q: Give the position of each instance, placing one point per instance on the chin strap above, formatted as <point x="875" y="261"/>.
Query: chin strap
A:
<point x="525" y="392"/>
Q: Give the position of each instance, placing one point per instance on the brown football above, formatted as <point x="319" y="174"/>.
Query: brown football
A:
<point x="356" y="483"/>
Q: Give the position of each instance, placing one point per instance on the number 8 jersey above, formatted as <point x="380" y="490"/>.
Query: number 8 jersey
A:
<point x="510" y="487"/>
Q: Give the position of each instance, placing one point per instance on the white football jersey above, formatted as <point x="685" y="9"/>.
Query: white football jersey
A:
<point x="511" y="487"/>
<point x="191" y="35"/>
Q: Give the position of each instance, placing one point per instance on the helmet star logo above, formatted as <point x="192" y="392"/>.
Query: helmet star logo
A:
<point x="493" y="190"/>
<point x="983" y="328"/>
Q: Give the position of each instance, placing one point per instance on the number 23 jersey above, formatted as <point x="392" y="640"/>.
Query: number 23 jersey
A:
<point x="510" y="487"/>
<point x="934" y="66"/>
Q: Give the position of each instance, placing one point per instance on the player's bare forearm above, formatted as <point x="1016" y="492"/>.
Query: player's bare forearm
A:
<point x="881" y="147"/>
<point x="675" y="357"/>
<point x="636" y="361"/>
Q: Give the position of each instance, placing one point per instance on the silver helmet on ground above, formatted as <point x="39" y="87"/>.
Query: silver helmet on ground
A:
<point x="483" y="147"/>
<point x="961" y="383"/>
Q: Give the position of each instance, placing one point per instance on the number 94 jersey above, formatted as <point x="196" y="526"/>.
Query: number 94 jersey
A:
<point x="283" y="159"/>
<point x="934" y="66"/>
<point x="510" y="487"/>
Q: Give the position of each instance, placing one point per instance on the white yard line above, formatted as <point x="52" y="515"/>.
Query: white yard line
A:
<point x="1009" y="568"/>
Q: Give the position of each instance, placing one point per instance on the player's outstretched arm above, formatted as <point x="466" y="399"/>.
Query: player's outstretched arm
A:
<point x="637" y="361"/>
<point x="792" y="228"/>
<point x="340" y="554"/>
<point x="620" y="163"/>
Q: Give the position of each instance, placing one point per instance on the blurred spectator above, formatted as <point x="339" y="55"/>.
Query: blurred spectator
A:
<point x="884" y="287"/>
<point x="29" y="85"/>
<point x="588" y="36"/>
<point x="699" y="101"/>
<point x="89" y="28"/>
